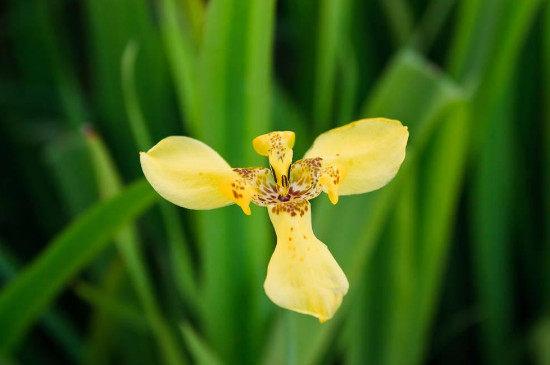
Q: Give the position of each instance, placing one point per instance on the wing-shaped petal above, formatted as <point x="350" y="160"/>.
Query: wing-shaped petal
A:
<point x="367" y="152"/>
<point x="189" y="173"/>
<point x="302" y="275"/>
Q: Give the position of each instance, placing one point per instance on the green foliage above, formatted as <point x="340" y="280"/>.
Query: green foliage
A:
<point x="72" y="250"/>
<point x="447" y="264"/>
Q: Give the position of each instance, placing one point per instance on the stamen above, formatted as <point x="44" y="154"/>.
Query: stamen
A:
<point x="284" y="181"/>
<point x="273" y="173"/>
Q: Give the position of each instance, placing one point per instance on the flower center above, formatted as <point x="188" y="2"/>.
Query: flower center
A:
<point x="284" y="198"/>
<point x="303" y="182"/>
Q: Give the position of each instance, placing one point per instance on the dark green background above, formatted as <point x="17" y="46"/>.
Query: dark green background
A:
<point x="448" y="264"/>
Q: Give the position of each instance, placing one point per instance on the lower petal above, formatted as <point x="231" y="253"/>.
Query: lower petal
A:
<point x="302" y="275"/>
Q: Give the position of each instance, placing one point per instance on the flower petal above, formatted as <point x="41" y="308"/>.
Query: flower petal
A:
<point x="302" y="275"/>
<point x="331" y="176"/>
<point x="304" y="178"/>
<point x="188" y="173"/>
<point x="240" y="191"/>
<point x="261" y="179"/>
<point x="369" y="152"/>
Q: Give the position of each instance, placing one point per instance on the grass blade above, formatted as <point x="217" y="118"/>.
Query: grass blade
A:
<point x="518" y="19"/>
<point x="135" y="116"/>
<point x="68" y="253"/>
<point x="182" y="57"/>
<point x="401" y="20"/>
<point x="349" y="69"/>
<point x="110" y="26"/>
<point x="491" y="233"/>
<point x="332" y="20"/>
<point x="258" y="73"/>
<point x="474" y="33"/>
<point x="128" y="247"/>
<point x="200" y="351"/>
<point x="444" y="170"/>
<point x="403" y="270"/>
<point x="102" y="327"/>
<point x="546" y="158"/>
<point x="70" y="95"/>
<point x="53" y="320"/>
<point x="184" y="275"/>
<point x="431" y="24"/>
<point x="117" y="310"/>
<point x="195" y="14"/>
<point x="64" y="156"/>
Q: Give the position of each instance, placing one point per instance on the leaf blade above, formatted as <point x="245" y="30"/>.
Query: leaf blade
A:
<point x="69" y="252"/>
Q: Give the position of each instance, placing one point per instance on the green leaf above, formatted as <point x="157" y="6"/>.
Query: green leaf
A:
<point x="110" y="25"/>
<point x="492" y="231"/>
<point x="333" y="16"/>
<point x="57" y="325"/>
<point x="117" y="310"/>
<point x="546" y="158"/>
<point x="70" y="95"/>
<point x="431" y="24"/>
<point x="440" y="183"/>
<point x="65" y="155"/>
<point x="401" y="267"/>
<point x="400" y="17"/>
<point x="200" y="351"/>
<point x="128" y="246"/>
<point x="540" y="338"/>
<point x="182" y="58"/>
<point x="135" y="116"/>
<point x="43" y="279"/>
<point x="180" y="257"/>
<point x="102" y="328"/>
<point x="517" y="20"/>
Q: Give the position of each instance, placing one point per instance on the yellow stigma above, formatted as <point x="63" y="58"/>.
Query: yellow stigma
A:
<point x="277" y="146"/>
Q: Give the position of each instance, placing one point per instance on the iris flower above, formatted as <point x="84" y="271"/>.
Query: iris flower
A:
<point x="356" y="158"/>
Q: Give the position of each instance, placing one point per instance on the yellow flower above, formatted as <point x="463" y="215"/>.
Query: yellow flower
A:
<point x="302" y="275"/>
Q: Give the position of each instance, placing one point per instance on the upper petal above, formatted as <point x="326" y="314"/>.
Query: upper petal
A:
<point x="188" y="173"/>
<point x="368" y="151"/>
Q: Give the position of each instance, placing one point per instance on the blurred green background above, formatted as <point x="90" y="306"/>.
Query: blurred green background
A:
<point x="448" y="264"/>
